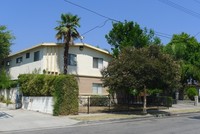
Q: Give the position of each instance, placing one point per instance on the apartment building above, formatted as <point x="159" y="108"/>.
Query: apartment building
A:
<point x="85" y="62"/>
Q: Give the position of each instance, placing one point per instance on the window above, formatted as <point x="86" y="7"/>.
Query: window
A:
<point x="72" y="60"/>
<point x="19" y="60"/>
<point x="37" y="56"/>
<point x="7" y="63"/>
<point x="96" y="88"/>
<point x="27" y="55"/>
<point x="97" y="62"/>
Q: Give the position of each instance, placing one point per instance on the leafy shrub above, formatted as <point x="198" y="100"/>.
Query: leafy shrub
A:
<point x="48" y="87"/>
<point x="165" y="101"/>
<point x="66" y="95"/>
<point x="7" y="101"/>
<point x="63" y="88"/>
<point x="191" y="92"/>
<point x="97" y="100"/>
<point x="37" y="84"/>
<point x="155" y="92"/>
<point x="25" y="84"/>
<point x="5" y="82"/>
<point x="2" y="98"/>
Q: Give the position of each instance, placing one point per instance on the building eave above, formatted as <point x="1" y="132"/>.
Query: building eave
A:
<point x="60" y="44"/>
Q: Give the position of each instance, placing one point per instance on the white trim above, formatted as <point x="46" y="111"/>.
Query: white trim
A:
<point x="59" y="44"/>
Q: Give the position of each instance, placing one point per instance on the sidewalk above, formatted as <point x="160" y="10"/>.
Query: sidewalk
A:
<point x="176" y="109"/>
<point x="11" y="120"/>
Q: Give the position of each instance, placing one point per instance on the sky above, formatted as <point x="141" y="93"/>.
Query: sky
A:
<point x="33" y="21"/>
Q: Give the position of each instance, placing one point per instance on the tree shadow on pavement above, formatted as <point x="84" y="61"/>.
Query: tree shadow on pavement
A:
<point x="195" y="117"/>
<point x="152" y="111"/>
<point x="158" y="113"/>
<point x="4" y="115"/>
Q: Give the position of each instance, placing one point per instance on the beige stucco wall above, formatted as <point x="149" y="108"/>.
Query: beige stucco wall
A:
<point x="84" y="61"/>
<point x="51" y="60"/>
<point x="85" y="85"/>
<point x="27" y="65"/>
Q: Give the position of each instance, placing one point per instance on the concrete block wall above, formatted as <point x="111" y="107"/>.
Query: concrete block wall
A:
<point x="39" y="104"/>
<point x="9" y="94"/>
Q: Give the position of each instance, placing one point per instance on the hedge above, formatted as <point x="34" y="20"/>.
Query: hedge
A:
<point x="97" y="100"/>
<point x="63" y="88"/>
<point x="191" y="92"/>
<point x="66" y="95"/>
<point x="166" y="101"/>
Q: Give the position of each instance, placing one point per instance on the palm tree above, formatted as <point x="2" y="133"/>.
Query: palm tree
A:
<point x="67" y="33"/>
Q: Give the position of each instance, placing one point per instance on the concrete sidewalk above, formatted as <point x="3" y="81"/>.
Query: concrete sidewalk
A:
<point x="12" y="120"/>
<point x="176" y="109"/>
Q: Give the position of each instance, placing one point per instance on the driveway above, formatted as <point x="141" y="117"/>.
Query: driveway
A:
<point x="11" y="120"/>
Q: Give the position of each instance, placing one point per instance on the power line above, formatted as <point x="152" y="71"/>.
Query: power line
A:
<point x="196" y="34"/>
<point x="109" y="19"/>
<point x="89" y="10"/>
<point x="168" y="37"/>
<point x="181" y="8"/>
<point x="98" y="26"/>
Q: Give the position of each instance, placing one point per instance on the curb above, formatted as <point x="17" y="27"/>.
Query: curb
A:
<point x="156" y="116"/>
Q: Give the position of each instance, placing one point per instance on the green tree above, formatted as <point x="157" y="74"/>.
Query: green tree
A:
<point x="5" y="82"/>
<point x="67" y="32"/>
<point x="185" y="49"/>
<point x="141" y="69"/>
<point x="6" y="39"/>
<point x="126" y="33"/>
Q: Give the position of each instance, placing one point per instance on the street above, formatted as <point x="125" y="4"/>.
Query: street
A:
<point x="172" y="125"/>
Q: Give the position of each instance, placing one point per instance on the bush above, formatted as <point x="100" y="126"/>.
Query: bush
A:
<point x="5" y="82"/>
<point x="97" y="100"/>
<point x="7" y="101"/>
<point x="165" y="101"/>
<point x="66" y="95"/>
<point x="37" y="84"/>
<point x="2" y="98"/>
<point x="63" y="88"/>
<point x="191" y="92"/>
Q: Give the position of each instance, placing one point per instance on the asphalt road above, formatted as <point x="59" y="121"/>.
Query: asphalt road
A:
<point x="172" y="125"/>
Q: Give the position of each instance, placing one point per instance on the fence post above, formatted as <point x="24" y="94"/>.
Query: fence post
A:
<point x="88" y="107"/>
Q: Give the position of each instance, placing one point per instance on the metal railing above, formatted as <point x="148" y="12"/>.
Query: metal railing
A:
<point x="96" y="104"/>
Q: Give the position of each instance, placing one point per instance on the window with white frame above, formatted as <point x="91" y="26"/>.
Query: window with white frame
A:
<point x="36" y="56"/>
<point x="19" y="60"/>
<point x="97" y="88"/>
<point x="27" y="55"/>
<point x="97" y="62"/>
<point x="72" y="61"/>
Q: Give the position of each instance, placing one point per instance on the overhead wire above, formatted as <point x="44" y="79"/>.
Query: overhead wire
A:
<point x="181" y="8"/>
<point x="91" y="11"/>
<point x="109" y="19"/>
<point x="98" y="26"/>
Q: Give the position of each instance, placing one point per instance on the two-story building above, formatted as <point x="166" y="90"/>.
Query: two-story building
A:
<point x="85" y="62"/>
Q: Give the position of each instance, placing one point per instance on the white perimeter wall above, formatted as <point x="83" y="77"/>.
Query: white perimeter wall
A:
<point x="9" y="94"/>
<point x="40" y="104"/>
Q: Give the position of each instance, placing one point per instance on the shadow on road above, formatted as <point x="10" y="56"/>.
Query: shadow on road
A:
<point x="4" y="115"/>
<point x="158" y="112"/>
<point x="195" y="117"/>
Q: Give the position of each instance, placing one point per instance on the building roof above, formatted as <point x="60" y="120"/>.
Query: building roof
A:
<point x="60" y="44"/>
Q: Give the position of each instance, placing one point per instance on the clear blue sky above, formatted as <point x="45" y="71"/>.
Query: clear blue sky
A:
<point x="33" y="21"/>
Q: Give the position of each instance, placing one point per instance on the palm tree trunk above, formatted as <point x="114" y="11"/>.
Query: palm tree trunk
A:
<point x="66" y="52"/>
<point x="66" y="49"/>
